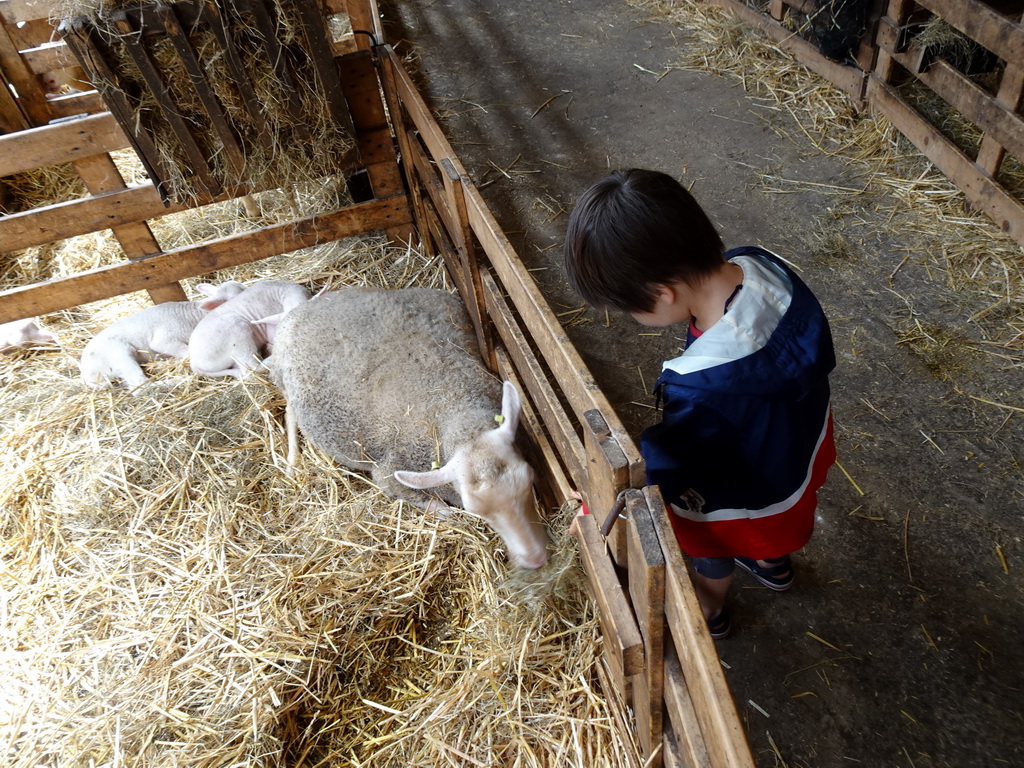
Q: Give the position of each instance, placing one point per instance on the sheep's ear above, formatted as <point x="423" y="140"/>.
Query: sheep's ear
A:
<point x="206" y="289"/>
<point x="424" y="480"/>
<point x="511" y="406"/>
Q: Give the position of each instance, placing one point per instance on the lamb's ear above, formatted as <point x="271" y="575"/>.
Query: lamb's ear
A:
<point x="218" y="294"/>
<point x="424" y="480"/>
<point x="208" y="304"/>
<point x="214" y="294"/>
<point x="511" y="406"/>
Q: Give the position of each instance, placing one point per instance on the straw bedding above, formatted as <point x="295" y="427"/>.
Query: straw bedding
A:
<point x="170" y="597"/>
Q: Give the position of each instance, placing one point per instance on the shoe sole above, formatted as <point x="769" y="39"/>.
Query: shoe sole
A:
<point x="723" y="632"/>
<point x="771" y="585"/>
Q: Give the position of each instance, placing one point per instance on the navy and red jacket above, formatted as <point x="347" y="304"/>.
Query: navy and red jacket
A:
<point x="746" y="439"/>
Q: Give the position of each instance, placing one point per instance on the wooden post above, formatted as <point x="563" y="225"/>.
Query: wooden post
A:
<point x="365" y="17"/>
<point x="31" y="99"/>
<point x="462" y="236"/>
<point x="373" y="133"/>
<point x="896" y="16"/>
<point x="607" y="475"/>
<point x="647" y="591"/>
<point x="702" y="679"/>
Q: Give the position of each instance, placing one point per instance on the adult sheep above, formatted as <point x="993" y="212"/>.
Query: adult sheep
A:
<point x="388" y="381"/>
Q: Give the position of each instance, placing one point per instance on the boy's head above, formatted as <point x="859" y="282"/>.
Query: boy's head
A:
<point x="633" y="231"/>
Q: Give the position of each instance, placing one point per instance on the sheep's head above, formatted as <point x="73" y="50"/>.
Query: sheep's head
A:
<point x="496" y="484"/>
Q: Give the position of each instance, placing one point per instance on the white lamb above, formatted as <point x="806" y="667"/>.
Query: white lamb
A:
<point x="232" y="340"/>
<point x="163" y="329"/>
<point x="389" y="382"/>
<point x="23" y="333"/>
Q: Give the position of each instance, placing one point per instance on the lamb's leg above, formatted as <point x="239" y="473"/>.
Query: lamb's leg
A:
<point x="292" y="429"/>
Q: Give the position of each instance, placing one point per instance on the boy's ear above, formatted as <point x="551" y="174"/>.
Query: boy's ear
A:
<point x="665" y="293"/>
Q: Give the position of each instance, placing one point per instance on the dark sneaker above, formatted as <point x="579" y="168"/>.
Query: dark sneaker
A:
<point x="778" y="576"/>
<point x="720" y="625"/>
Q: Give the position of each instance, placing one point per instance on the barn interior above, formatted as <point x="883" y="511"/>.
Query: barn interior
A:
<point x="172" y="596"/>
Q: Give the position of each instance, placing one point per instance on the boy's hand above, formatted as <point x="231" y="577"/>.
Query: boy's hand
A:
<point x="583" y="511"/>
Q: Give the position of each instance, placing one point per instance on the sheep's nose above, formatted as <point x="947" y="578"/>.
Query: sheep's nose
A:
<point x="534" y="560"/>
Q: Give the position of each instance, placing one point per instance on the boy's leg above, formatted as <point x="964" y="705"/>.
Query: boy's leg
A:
<point x="713" y="578"/>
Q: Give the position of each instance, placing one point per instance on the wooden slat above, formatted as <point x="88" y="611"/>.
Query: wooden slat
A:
<point x="76" y="104"/>
<point x="888" y="37"/>
<point x="979" y="189"/>
<point x="47" y="58"/>
<point x="31" y="33"/>
<point x="979" y="21"/>
<point x="567" y="442"/>
<point x="647" y="593"/>
<point x="424" y="170"/>
<point x="713" y="705"/>
<point x="79" y="217"/>
<point x="210" y="15"/>
<point x="867" y="49"/>
<point x="191" y="261"/>
<point x="462" y="236"/>
<point x="12" y="118"/>
<point x="684" y="741"/>
<point x="408" y="141"/>
<point x="198" y="76"/>
<point x="1000" y="121"/>
<point x="319" y="50"/>
<point x="274" y="55"/>
<point x="13" y="11"/>
<point x="619" y="632"/>
<point x="200" y="170"/>
<point x="79" y="37"/>
<point x="1011" y="89"/>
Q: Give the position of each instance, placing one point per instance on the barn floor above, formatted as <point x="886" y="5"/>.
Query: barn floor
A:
<point x="899" y="645"/>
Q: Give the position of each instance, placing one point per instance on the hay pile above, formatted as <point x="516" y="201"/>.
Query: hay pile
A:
<point x="980" y="262"/>
<point x="275" y="104"/>
<point x="170" y="597"/>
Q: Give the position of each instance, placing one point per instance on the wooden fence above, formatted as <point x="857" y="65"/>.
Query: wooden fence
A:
<point x="895" y="55"/>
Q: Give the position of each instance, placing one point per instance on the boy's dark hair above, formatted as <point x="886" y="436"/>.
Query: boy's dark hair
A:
<point x="633" y="230"/>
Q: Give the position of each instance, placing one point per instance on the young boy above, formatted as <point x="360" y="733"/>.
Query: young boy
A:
<point x="746" y="436"/>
